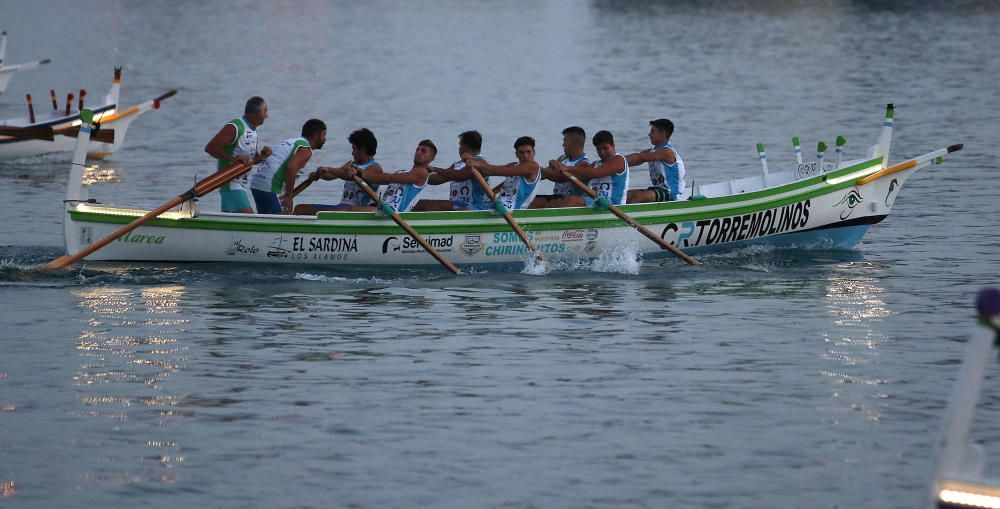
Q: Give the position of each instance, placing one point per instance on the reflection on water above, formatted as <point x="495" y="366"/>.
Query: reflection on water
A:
<point x="128" y="351"/>
<point x="98" y="174"/>
<point x="855" y="302"/>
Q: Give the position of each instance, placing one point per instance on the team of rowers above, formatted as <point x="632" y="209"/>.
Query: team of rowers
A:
<point x="272" y="182"/>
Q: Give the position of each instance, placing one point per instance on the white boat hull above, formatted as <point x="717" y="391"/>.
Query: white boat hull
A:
<point x="811" y="212"/>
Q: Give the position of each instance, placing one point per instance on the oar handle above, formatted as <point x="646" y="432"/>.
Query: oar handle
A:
<point x="101" y="135"/>
<point x="48" y="134"/>
<point x="506" y="214"/>
<point x="409" y="230"/>
<point x="629" y="221"/>
<point x="38" y="133"/>
<point x="302" y="187"/>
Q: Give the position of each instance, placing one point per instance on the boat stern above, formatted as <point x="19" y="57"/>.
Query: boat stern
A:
<point x="76" y="193"/>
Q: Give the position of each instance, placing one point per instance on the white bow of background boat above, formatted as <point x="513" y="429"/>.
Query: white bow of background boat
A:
<point x="8" y="71"/>
<point x="53" y="131"/>
<point x="959" y="481"/>
<point x="822" y="205"/>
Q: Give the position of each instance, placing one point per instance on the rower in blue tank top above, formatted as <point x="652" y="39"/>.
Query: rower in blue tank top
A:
<point x="465" y="193"/>
<point x="363" y="148"/>
<point x="614" y="186"/>
<point x="608" y="177"/>
<point x="520" y="178"/>
<point x="403" y="187"/>
<point x="574" y="142"/>
<point x="666" y="168"/>
<point x="567" y="188"/>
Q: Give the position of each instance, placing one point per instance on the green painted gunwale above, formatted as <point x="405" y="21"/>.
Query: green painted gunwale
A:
<point x="576" y="217"/>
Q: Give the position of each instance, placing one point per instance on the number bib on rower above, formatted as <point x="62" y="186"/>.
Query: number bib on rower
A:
<point x="668" y="176"/>
<point x="353" y="195"/>
<point x="402" y="197"/>
<point x="517" y="192"/>
<point x="567" y="188"/>
<point x="612" y="187"/>
<point x="467" y="193"/>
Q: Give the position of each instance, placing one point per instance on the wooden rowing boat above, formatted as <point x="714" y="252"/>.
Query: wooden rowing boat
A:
<point x="8" y="71"/>
<point x="19" y="136"/>
<point x="818" y="205"/>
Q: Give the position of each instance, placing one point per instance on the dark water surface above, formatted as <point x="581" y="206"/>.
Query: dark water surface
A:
<point x="760" y="379"/>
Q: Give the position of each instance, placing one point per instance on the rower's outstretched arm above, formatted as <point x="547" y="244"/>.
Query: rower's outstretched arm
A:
<point x="663" y="154"/>
<point x="415" y="176"/>
<point x="550" y="173"/>
<point x="436" y="178"/>
<point x="526" y="170"/>
<point x="611" y="167"/>
<point x="441" y="175"/>
<point x="336" y="172"/>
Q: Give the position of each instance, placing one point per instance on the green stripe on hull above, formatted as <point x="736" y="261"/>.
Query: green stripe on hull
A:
<point x="574" y="218"/>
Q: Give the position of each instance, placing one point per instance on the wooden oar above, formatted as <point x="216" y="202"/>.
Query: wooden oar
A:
<point x="48" y="134"/>
<point x="631" y="222"/>
<point x="201" y="188"/>
<point x="302" y="186"/>
<point x="101" y="135"/>
<point x="499" y="206"/>
<point x="28" y="133"/>
<point x="402" y="224"/>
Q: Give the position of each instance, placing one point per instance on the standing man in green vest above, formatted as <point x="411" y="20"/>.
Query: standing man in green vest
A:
<point x="237" y="142"/>
<point x="273" y="182"/>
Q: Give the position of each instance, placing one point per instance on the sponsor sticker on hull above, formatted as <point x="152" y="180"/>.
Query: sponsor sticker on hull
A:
<point x="239" y="247"/>
<point x="510" y="244"/>
<point x="333" y="248"/>
<point x="138" y="238"/>
<point x="472" y="244"/>
<point x="409" y="245"/>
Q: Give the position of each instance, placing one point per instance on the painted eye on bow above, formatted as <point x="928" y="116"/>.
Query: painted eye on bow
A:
<point x="853" y="199"/>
